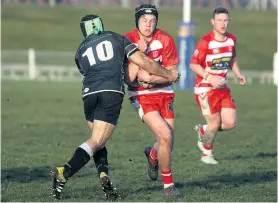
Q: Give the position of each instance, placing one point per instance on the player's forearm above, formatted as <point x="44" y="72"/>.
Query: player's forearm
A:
<point x="150" y="65"/>
<point x="160" y="80"/>
<point x="146" y="77"/>
<point x="198" y="69"/>
<point x="154" y="68"/>
<point x="157" y="80"/>
<point x="235" y="69"/>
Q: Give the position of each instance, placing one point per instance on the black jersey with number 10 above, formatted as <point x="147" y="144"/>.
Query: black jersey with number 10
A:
<point x="100" y="59"/>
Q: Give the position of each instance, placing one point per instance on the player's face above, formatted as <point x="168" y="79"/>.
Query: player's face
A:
<point x="147" y="24"/>
<point x="220" y="23"/>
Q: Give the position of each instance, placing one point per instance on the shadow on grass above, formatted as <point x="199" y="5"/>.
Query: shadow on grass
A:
<point x="218" y="182"/>
<point x="259" y="155"/>
<point x="25" y="174"/>
<point x="42" y="173"/>
<point x="232" y="180"/>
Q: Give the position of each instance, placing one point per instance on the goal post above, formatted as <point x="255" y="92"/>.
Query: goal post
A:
<point x="186" y="45"/>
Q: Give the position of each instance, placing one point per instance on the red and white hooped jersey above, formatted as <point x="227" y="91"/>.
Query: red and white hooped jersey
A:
<point x="215" y="57"/>
<point x="161" y="49"/>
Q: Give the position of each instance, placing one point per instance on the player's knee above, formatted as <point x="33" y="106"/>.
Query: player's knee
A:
<point x="230" y="125"/>
<point x="97" y="144"/>
<point x="233" y="124"/>
<point x="166" y="140"/>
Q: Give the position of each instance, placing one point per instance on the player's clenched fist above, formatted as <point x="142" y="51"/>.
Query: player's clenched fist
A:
<point x="174" y="76"/>
<point x="242" y="80"/>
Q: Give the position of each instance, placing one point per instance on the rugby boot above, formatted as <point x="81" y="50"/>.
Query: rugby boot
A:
<point x="108" y="188"/>
<point x="59" y="182"/>
<point x="172" y="191"/>
<point x="152" y="167"/>
<point x="209" y="159"/>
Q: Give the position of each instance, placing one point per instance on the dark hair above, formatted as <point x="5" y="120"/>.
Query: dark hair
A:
<point x="219" y="10"/>
<point x="145" y="9"/>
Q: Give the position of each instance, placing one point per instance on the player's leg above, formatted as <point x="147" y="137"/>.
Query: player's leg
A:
<point x="143" y="104"/>
<point x="213" y="123"/>
<point x="163" y="133"/>
<point x="210" y="106"/>
<point x="104" y="113"/>
<point x="228" y="113"/>
<point x="155" y="148"/>
<point x="101" y="162"/>
<point x="81" y="155"/>
<point x="90" y="125"/>
<point x="167" y="112"/>
<point x="228" y="118"/>
<point x="102" y="131"/>
<point x="170" y="123"/>
<point x="100" y="157"/>
<point x="108" y="112"/>
<point x="148" y="110"/>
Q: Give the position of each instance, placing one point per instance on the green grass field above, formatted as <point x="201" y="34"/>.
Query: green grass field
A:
<point x="45" y="28"/>
<point x="43" y="123"/>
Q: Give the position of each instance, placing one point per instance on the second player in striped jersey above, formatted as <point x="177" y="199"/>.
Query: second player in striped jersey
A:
<point x="214" y="55"/>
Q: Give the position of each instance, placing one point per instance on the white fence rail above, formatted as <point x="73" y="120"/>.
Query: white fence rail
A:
<point x="60" y="66"/>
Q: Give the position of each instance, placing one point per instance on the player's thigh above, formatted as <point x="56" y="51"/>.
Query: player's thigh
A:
<point x="144" y="104"/>
<point x="108" y="107"/>
<point x="158" y="125"/>
<point x="228" y="110"/>
<point x="90" y="125"/>
<point x="229" y="117"/>
<point x="209" y="103"/>
<point x="210" y="106"/>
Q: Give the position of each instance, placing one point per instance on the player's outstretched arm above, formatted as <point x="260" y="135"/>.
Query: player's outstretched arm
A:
<point x="153" y="67"/>
<point x="237" y="73"/>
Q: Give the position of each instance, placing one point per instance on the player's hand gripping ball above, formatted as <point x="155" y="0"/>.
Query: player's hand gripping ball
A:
<point x="145" y="84"/>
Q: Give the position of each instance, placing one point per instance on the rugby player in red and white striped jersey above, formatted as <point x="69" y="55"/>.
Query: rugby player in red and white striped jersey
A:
<point x="214" y="55"/>
<point x="153" y="98"/>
